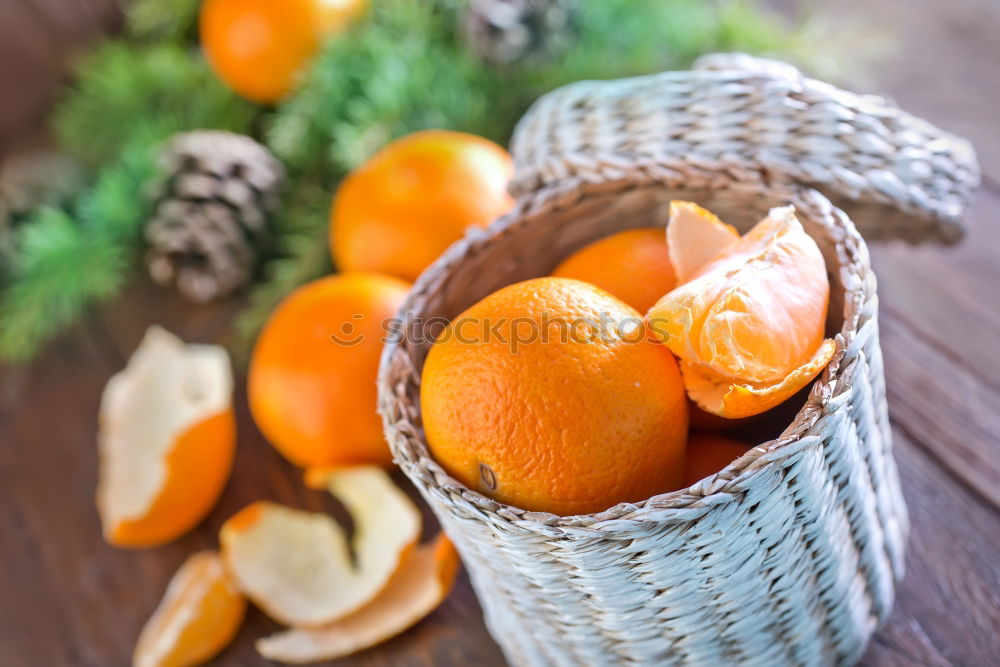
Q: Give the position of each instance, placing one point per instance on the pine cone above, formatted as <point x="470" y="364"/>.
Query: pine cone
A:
<point x="502" y="32"/>
<point x="211" y="212"/>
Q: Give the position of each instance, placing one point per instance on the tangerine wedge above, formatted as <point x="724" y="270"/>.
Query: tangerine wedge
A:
<point x="166" y="439"/>
<point x="694" y="237"/>
<point x="199" y="615"/>
<point x="748" y="326"/>
<point x="296" y="565"/>
<point x="422" y="582"/>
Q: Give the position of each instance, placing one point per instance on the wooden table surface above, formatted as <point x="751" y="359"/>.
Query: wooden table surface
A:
<point x="67" y="598"/>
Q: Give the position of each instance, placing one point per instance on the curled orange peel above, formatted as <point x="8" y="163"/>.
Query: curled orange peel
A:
<point x="420" y="584"/>
<point x="297" y="565"/>
<point x="166" y="440"/>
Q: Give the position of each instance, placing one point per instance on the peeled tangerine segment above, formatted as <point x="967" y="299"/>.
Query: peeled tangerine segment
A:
<point x="748" y="326"/>
<point x="166" y="440"/>
<point x="719" y="395"/>
<point x="694" y="237"/>
<point x="421" y="583"/>
<point x="198" y="617"/>
<point x="297" y="566"/>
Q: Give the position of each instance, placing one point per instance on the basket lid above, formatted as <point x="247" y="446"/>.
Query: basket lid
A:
<point x="897" y="175"/>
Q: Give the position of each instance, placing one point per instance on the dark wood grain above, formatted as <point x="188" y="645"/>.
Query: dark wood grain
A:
<point x="66" y="598"/>
<point x="948" y="605"/>
<point x="38" y="42"/>
<point x="958" y="425"/>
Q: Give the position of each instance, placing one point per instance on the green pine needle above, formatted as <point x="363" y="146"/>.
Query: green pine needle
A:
<point x="65" y="264"/>
<point x="168" y="20"/>
<point x="60" y="269"/>
<point x="406" y="69"/>
<point x="124" y="92"/>
<point x="398" y="71"/>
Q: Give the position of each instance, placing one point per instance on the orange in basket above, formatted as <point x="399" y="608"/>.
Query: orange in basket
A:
<point x="311" y="382"/>
<point x="415" y="198"/>
<point x="528" y="399"/>
<point x="748" y="326"/>
<point x="708" y="453"/>
<point x="422" y="581"/>
<point x="633" y="265"/>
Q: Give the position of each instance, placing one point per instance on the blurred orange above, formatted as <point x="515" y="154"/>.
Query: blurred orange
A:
<point x="258" y="47"/>
<point x="416" y="197"/>
<point x="311" y="381"/>
<point x="633" y="265"/>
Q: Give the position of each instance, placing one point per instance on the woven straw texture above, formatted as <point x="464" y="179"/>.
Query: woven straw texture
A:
<point x="789" y="555"/>
<point x="896" y="175"/>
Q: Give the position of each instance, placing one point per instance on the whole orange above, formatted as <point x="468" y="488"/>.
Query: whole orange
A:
<point x="258" y="47"/>
<point x="708" y="453"/>
<point x="633" y="265"/>
<point x="311" y="381"/>
<point x="549" y="396"/>
<point x="414" y="198"/>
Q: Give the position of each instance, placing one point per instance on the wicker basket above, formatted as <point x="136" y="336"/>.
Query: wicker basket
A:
<point x="789" y="555"/>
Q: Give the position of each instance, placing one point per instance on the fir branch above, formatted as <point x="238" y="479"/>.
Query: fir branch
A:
<point x="167" y="20"/>
<point x="399" y="71"/>
<point x="64" y="264"/>
<point x="58" y="271"/>
<point x="404" y="69"/>
<point x="124" y="92"/>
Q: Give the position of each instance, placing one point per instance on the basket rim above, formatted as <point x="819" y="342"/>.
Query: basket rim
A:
<point x="723" y="487"/>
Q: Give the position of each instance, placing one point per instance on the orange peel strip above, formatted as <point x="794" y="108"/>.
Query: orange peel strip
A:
<point x="166" y="440"/>
<point x="725" y="397"/>
<point x="422" y="582"/>
<point x="694" y="237"/>
<point x="296" y="565"/>
<point x="199" y="615"/>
